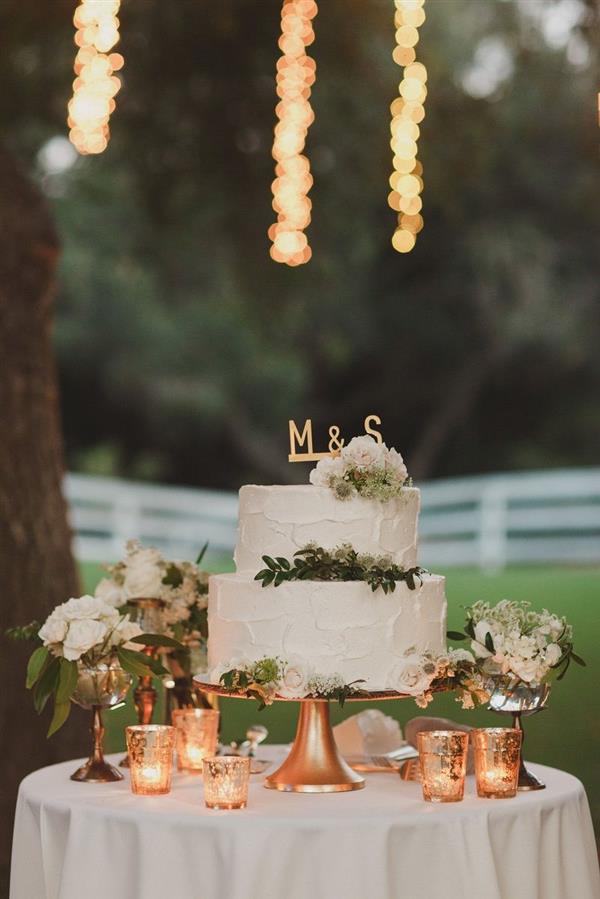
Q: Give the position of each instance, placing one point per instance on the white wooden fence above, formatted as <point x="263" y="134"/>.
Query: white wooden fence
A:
<point x="487" y="521"/>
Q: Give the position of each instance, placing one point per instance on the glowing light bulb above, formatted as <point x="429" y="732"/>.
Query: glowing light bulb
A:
<point x="96" y="85"/>
<point x="407" y="112"/>
<point x="296" y="73"/>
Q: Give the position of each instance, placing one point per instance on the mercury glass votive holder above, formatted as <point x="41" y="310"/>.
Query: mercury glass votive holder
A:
<point x="226" y="779"/>
<point x="196" y="733"/>
<point x="443" y="762"/>
<point x="497" y="757"/>
<point x="150" y="751"/>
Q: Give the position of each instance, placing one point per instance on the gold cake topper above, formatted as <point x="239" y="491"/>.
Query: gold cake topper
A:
<point x="299" y="439"/>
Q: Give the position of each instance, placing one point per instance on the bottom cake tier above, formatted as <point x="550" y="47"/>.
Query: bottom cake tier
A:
<point x="328" y="628"/>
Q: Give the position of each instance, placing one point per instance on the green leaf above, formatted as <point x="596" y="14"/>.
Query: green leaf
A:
<point x="261" y="574"/>
<point x="134" y="662"/>
<point x="36" y="665"/>
<point x="67" y="681"/>
<point x="489" y="643"/>
<point x="46" y="685"/>
<point x="173" y="576"/>
<point x="227" y="679"/>
<point x="271" y="563"/>
<point x="283" y="563"/>
<point x="156" y="640"/>
<point x="201" y="554"/>
<point x="565" y="669"/>
<point x="455" y="635"/>
<point x="61" y="713"/>
<point x="578" y="660"/>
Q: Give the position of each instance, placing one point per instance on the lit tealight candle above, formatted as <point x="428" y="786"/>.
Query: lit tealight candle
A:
<point x="150" y="751"/>
<point x="150" y="774"/>
<point x="497" y="756"/>
<point x="226" y="779"/>
<point x="196" y="732"/>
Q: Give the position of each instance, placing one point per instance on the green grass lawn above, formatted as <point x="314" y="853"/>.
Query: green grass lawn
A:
<point x="566" y="735"/>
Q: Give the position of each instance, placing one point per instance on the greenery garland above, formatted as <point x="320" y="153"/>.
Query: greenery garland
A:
<point x="313" y="563"/>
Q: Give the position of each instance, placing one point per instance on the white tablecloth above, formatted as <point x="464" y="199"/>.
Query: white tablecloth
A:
<point x="87" y="841"/>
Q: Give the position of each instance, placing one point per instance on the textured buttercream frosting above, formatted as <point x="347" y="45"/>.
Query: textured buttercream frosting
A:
<point x="278" y="521"/>
<point x="334" y="627"/>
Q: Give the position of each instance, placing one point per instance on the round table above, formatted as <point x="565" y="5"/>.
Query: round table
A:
<point x="94" y="841"/>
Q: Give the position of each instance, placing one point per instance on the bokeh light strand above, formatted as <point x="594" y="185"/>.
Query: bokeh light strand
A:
<point x="296" y="74"/>
<point x="95" y="85"/>
<point x="408" y="111"/>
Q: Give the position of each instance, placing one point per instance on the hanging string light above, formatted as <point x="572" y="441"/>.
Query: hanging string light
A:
<point x="296" y="74"/>
<point x="408" y="112"/>
<point x="95" y="85"/>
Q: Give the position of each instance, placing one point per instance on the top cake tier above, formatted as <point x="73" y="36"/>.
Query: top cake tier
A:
<point x="278" y="521"/>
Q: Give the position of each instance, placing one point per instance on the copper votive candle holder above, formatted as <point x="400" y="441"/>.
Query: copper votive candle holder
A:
<point x="150" y="751"/>
<point x="196" y="733"/>
<point x="497" y="757"/>
<point x="443" y="762"/>
<point x="226" y="779"/>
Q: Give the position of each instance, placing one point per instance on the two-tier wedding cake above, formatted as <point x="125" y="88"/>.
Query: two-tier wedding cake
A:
<point x="322" y="629"/>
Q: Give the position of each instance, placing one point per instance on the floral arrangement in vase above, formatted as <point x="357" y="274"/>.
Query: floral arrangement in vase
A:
<point x="363" y="468"/>
<point x="181" y="586"/>
<point x="513" y="643"/>
<point x="81" y="635"/>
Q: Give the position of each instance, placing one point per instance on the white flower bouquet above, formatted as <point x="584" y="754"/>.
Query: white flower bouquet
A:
<point x="182" y="586"/>
<point x="82" y="633"/>
<point x="363" y="468"/>
<point x="514" y="644"/>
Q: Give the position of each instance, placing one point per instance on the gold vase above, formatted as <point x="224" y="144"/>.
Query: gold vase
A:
<point x="181" y="692"/>
<point x="148" y="613"/>
<point x="101" y="687"/>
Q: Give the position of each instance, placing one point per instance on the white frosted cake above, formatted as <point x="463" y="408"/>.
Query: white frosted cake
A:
<point x="285" y="519"/>
<point x="325" y="627"/>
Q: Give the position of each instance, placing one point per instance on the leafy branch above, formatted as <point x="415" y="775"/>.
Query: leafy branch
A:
<point x="313" y="563"/>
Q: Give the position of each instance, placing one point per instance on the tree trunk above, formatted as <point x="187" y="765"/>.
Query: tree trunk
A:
<point x="37" y="569"/>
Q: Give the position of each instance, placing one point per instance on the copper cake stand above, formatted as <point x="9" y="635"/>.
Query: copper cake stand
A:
<point x="314" y="764"/>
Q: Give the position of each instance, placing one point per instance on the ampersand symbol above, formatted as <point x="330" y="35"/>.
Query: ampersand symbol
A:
<point x="335" y="444"/>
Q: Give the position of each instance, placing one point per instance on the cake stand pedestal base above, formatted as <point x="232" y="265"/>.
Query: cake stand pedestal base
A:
<point x="314" y="764"/>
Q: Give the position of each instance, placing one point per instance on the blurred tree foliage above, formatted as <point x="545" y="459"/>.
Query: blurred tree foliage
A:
<point x="183" y="349"/>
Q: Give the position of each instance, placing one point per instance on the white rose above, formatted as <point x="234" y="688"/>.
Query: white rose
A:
<point x="143" y="575"/>
<point x="86" y="607"/>
<point x="294" y="683"/>
<point x="54" y="630"/>
<point x="409" y="677"/>
<point x="327" y="469"/>
<point x="529" y="670"/>
<point x="395" y="463"/>
<point x="526" y="647"/>
<point x="553" y="654"/>
<point x="126" y="631"/>
<point x="82" y="636"/>
<point x="363" y="452"/>
<point x="110" y="593"/>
